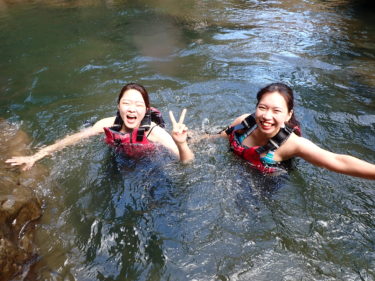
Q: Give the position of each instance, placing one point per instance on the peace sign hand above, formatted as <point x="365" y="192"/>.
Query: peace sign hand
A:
<point x="179" y="132"/>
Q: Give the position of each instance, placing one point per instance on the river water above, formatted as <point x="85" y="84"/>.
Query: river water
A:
<point x="62" y="65"/>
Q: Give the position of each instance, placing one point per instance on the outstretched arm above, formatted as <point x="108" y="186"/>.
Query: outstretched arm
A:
<point x="339" y="163"/>
<point x="29" y="161"/>
<point x="222" y="133"/>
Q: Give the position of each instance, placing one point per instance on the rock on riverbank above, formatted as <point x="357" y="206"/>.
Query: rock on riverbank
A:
<point x="20" y="208"/>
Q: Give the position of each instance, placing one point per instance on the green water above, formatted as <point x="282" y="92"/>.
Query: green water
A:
<point x="62" y="65"/>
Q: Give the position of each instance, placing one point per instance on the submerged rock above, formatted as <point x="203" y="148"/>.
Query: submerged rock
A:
<point x="19" y="207"/>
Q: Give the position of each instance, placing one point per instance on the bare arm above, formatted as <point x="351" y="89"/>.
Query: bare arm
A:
<point x="28" y="161"/>
<point x="180" y="140"/>
<point x="177" y="142"/>
<point x="186" y="155"/>
<point x="179" y="136"/>
<point x="178" y="147"/>
<point x="339" y="163"/>
<point x="223" y="134"/>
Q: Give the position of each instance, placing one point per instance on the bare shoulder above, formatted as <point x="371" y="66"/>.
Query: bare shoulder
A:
<point x="293" y="146"/>
<point x="157" y="133"/>
<point x="236" y="121"/>
<point x="161" y="136"/>
<point x="306" y="149"/>
<point x="302" y="144"/>
<point x="239" y="119"/>
<point x="105" y="122"/>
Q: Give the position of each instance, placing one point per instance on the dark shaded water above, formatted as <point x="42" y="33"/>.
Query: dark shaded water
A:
<point x="61" y="67"/>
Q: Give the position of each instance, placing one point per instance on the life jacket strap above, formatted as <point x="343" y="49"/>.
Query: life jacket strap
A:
<point x="248" y="123"/>
<point x="146" y="121"/>
<point x="140" y="133"/>
<point x="276" y="141"/>
<point x="273" y="144"/>
<point x="152" y="115"/>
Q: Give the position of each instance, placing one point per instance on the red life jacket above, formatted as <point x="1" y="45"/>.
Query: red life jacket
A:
<point x="252" y="154"/>
<point x="134" y="144"/>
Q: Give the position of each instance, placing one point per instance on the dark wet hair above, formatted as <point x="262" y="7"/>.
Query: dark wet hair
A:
<point x="137" y="87"/>
<point x="129" y="86"/>
<point x="287" y="93"/>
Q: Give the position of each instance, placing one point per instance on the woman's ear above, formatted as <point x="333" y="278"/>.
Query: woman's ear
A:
<point x="290" y="114"/>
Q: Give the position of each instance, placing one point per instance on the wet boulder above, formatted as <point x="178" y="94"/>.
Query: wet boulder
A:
<point x="20" y="208"/>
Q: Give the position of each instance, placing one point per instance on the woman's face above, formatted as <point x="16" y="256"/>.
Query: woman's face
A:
<point x="272" y="113"/>
<point x="132" y="108"/>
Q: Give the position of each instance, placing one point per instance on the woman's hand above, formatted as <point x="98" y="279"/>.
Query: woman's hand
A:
<point x="179" y="135"/>
<point x="27" y="161"/>
<point x="179" y="131"/>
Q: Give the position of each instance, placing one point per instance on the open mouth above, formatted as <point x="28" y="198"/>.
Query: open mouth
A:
<point x="266" y="125"/>
<point x="131" y="118"/>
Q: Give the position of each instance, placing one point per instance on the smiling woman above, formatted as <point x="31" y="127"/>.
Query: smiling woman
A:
<point x="132" y="131"/>
<point x="271" y="136"/>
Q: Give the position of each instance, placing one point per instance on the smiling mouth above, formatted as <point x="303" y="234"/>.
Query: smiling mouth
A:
<point x="131" y="118"/>
<point x="266" y="124"/>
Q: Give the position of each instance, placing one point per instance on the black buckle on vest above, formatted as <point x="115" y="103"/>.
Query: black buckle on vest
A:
<point x="117" y="142"/>
<point x="228" y="130"/>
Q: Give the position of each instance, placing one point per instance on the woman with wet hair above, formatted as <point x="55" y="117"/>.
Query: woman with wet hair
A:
<point x="135" y="130"/>
<point x="271" y="136"/>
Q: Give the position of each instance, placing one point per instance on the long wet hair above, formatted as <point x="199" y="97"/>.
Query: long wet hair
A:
<point x="129" y="86"/>
<point x="287" y="93"/>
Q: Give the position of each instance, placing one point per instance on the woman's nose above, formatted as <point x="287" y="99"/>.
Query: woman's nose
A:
<point x="267" y="114"/>
<point x="131" y="108"/>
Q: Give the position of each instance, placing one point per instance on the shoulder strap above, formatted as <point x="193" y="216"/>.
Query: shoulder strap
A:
<point x="152" y="115"/>
<point x="276" y="141"/>
<point x="247" y="123"/>
<point x="157" y="117"/>
<point x="149" y="132"/>
<point x="146" y="121"/>
<point x="140" y="133"/>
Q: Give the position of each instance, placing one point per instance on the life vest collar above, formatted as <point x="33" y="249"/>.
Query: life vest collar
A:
<point x="152" y="115"/>
<point x="274" y="143"/>
<point x="248" y="123"/>
<point x="134" y="143"/>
